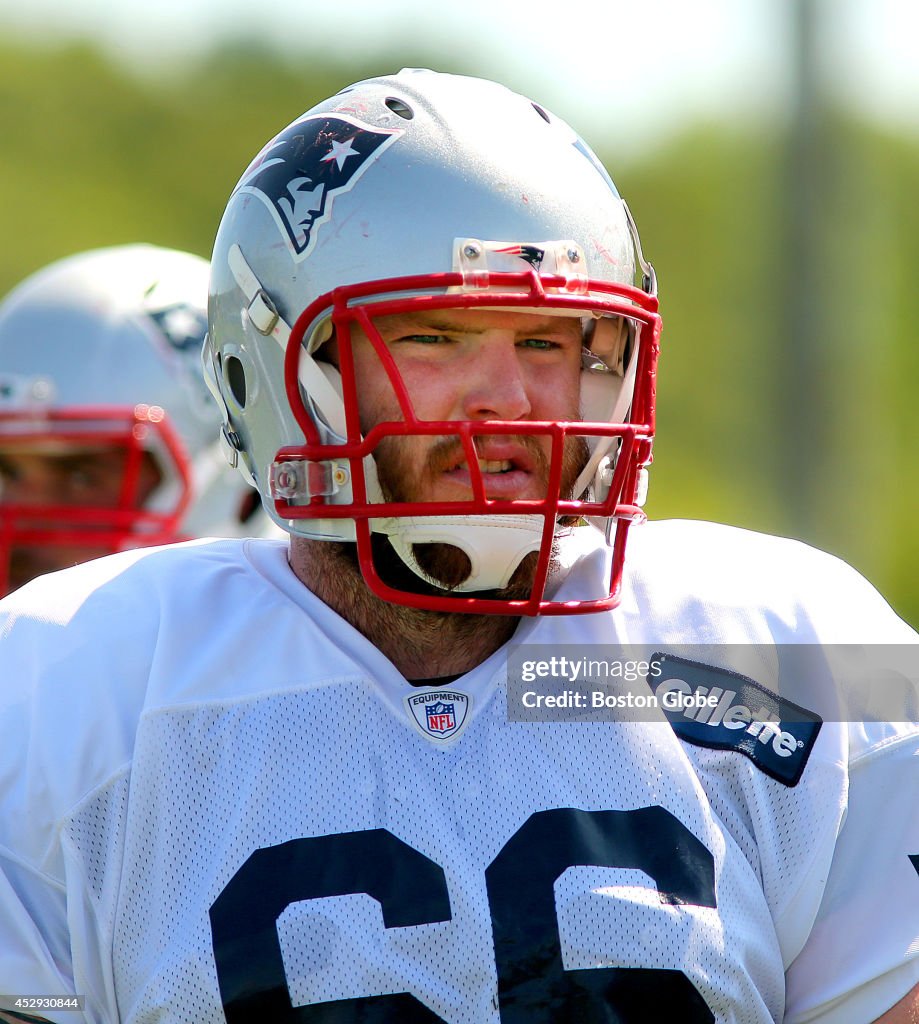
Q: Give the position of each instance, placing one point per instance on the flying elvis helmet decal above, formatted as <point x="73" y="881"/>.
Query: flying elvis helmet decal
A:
<point x="299" y="174"/>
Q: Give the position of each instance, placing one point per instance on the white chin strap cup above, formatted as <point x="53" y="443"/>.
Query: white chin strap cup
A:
<point x="495" y="545"/>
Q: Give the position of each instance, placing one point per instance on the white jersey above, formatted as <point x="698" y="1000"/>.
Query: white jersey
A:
<point x="218" y="801"/>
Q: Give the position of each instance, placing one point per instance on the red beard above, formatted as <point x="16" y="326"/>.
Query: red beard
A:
<point x="445" y="563"/>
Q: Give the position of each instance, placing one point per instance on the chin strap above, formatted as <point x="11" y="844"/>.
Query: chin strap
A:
<point x="319" y="381"/>
<point x="495" y="545"/>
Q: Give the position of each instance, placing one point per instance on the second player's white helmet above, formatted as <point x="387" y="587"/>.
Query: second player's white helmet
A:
<point x="426" y="191"/>
<point x="104" y="347"/>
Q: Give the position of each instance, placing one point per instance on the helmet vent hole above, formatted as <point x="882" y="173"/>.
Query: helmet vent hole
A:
<point x="235" y="375"/>
<point x="541" y="112"/>
<point x="399" y="107"/>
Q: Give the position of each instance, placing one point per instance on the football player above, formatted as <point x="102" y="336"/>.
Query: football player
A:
<point x="107" y="433"/>
<point x="261" y="781"/>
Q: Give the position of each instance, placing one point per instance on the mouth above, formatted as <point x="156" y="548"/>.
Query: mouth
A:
<point x="492" y="465"/>
<point x="506" y="473"/>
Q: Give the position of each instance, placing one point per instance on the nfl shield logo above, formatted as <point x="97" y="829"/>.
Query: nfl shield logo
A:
<point x="439" y="715"/>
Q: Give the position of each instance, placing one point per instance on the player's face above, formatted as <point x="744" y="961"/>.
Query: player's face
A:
<point x="472" y="365"/>
<point x="88" y="477"/>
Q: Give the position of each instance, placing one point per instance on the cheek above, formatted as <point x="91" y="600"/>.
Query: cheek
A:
<point x="428" y="394"/>
<point x="401" y="463"/>
<point x="376" y="399"/>
<point x="374" y="405"/>
<point x="431" y="392"/>
<point x="555" y="394"/>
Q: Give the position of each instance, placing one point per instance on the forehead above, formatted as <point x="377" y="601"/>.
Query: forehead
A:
<point x="479" y="321"/>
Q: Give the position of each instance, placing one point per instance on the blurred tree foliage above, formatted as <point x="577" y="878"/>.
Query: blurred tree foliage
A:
<point x="94" y="155"/>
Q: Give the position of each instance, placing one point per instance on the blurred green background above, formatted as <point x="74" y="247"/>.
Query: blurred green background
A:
<point x="785" y="236"/>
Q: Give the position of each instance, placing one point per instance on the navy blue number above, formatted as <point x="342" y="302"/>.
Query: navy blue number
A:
<point x="533" y="985"/>
<point x="410" y="888"/>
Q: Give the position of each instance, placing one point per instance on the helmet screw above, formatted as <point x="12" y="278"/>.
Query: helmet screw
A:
<point x="574" y="256"/>
<point x="471" y="251"/>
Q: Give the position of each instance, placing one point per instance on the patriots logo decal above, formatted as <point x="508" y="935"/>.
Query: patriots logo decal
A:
<point x="531" y="254"/>
<point x="182" y="326"/>
<point x="302" y="171"/>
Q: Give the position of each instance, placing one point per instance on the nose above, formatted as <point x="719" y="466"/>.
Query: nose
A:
<point x="496" y="386"/>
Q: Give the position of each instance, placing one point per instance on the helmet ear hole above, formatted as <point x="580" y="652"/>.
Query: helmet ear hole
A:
<point x="235" y="375"/>
<point x="399" y="107"/>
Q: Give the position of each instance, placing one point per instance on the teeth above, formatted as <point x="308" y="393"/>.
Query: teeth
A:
<point x="495" y="465"/>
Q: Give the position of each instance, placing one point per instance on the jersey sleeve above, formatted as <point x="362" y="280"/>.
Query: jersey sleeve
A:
<point x="850" y="919"/>
<point x="862" y="955"/>
<point x="66" y="730"/>
<point x="34" y="945"/>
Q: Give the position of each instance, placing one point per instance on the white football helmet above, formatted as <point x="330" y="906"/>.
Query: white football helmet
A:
<point x="426" y="191"/>
<point x="103" y="348"/>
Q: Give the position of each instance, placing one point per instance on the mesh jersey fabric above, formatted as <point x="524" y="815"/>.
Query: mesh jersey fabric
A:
<point x="228" y="787"/>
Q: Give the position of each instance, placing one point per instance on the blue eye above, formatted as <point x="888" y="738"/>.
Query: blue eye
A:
<point x="424" y="339"/>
